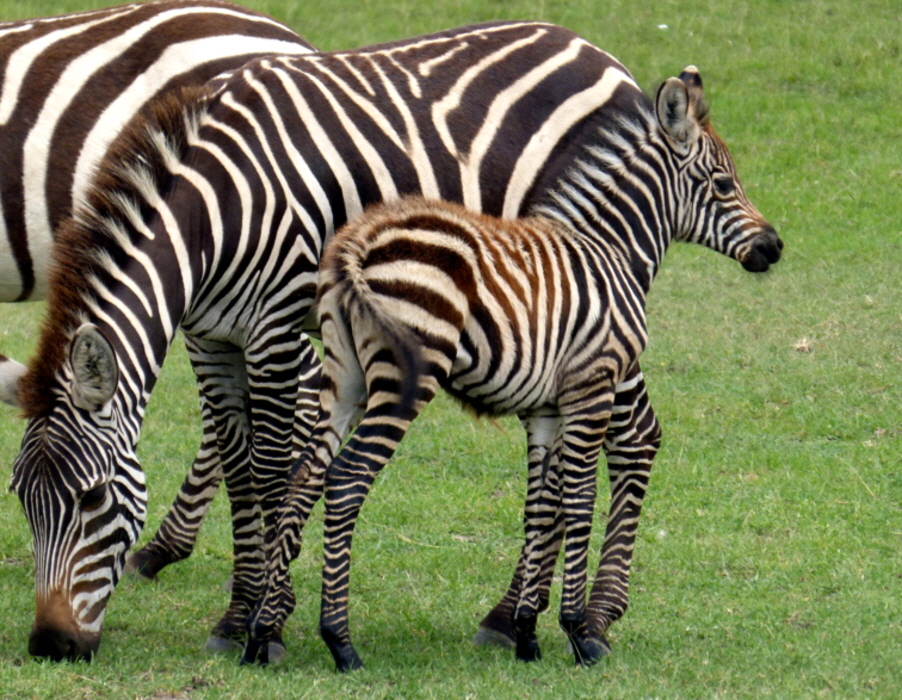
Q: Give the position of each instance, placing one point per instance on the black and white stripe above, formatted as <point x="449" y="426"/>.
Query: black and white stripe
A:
<point x="212" y="217"/>
<point x="71" y="83"/>
<point x="542" y="317"/>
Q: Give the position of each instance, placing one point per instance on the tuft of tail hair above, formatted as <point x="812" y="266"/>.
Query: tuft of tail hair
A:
<point x="360" y="304"/>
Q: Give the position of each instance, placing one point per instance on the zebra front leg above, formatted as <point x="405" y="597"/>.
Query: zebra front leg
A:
<point x="340" y="404"/>
<point x="631" y="443"/>
<point x="278" y="601"/>
<point x="584" y="431"/>
<point x="542" y="511"/>
<point x="222" y="365"/>
<point x="177" y="534"/>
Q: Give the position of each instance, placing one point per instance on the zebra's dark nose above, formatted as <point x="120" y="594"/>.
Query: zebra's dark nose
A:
<point x="764" y="252"/>
<point x="58" y="645"/>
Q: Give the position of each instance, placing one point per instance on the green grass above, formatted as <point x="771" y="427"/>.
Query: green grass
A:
<point x="769" y="561"/>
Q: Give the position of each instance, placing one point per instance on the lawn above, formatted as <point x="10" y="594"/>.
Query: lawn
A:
<point x="769" y="559"/>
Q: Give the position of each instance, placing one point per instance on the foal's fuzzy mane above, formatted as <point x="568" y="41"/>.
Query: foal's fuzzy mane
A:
<point x="85" y="242"/>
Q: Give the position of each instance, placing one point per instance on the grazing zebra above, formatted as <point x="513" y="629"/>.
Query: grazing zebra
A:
<point x="211" y="217"/>
<point x="69" y="86"/>
<point x="542" y="317"/>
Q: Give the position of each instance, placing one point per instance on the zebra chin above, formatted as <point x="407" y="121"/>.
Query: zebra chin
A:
<point x="763" y="252"/>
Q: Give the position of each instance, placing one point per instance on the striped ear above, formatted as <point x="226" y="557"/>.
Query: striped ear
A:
<point x="681" y="109"/>
<point x="10" y="374"/>
<point x="95" y="371"/>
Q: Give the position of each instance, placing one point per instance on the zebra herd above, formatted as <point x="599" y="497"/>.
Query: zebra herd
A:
<point x="214" y="212"/>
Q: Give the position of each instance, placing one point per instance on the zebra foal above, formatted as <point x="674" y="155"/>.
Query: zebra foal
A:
<point x="542" y="317"/>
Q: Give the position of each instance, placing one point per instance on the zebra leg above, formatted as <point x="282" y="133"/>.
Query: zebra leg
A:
<point x="399" y="389"/>
<point x="273" y="365"/>
<point x="584" y="432"/>
<point x="343" y="395"/>
<point x="348" y="481"/>
<point x="177" y="534"/>
<point x="631" y="442"/>
<point x="235" y="409"/>
<point x="543" y="525"/>
<point x="222" y="375"/>
<point x="305" y="487"/>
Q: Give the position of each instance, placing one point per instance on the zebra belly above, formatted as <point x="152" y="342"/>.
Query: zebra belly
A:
<point x="497" y="388"/>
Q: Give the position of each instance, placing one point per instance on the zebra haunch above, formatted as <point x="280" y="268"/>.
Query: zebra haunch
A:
<point x="542" y="317"/>
<point x="211" y="217"/>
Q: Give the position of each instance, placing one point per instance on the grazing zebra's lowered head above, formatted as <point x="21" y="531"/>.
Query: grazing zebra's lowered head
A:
<point x="84" y="394"/>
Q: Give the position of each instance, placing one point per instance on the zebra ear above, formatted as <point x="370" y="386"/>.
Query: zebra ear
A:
<point x="95" y="371"/>
<point x="10" y="374"/>
<point x="677" y="106"/>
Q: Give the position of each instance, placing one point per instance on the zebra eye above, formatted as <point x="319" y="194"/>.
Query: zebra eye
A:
<point x="724" y="186"/>
<point x="93" y="498"/>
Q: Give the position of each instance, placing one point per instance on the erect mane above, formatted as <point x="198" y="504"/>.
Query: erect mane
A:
<point x="86" y="242"/>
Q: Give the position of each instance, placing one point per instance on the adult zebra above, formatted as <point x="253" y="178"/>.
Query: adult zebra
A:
<point x="70" y="84"/>
<point x="542" y="317"/>
<point x="212" y="217"/>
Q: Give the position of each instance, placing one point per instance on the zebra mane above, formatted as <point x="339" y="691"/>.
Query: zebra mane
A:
<point x="88" y="244"/>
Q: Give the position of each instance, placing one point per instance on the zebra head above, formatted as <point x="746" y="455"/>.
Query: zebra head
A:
<point x="712" y="208"/>
<point x="84" y="496"/>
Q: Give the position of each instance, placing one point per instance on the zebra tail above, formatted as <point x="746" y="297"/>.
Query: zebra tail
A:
<point x="371" y="324"/>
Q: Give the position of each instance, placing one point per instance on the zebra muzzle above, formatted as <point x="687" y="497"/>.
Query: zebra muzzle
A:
<point x="764" y="251"/>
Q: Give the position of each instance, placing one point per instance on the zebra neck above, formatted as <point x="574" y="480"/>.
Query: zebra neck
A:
<point x="614" y="193"/>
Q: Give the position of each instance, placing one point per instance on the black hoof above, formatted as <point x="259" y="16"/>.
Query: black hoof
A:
<point x="255" y="654"/>
<point x="588" y="650"/>
<point x="527" y="644"/>
<point x="345" y="657"/>
<point x="529" y="652"/>
<point x="141" y="566"/>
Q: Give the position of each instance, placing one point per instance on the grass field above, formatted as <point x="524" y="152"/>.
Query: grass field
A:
<point x="769" y="560"/>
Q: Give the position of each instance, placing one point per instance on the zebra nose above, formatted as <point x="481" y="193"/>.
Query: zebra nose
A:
<point x="58" y="645"/>
<point x="764" y="251"/>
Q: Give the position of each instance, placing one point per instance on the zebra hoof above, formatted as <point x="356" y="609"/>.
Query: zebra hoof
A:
<point x="220" y="645"/>
<point x="588" y="651"/>
<point x="486" y="637"/>
<point x="138" y="568"/>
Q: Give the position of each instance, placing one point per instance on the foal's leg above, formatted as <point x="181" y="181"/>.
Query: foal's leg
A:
<point x="342" y="396"/>
<point x="543" y="526"/>
<point x="348" y="481"/>
<point x="631" y="442"/>
<point x="584" y="429"/>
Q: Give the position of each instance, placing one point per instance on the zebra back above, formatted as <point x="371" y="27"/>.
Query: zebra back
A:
<point x="71" y="83"/>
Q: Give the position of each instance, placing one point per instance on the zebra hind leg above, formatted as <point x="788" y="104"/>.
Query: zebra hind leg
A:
<point x="399" y="389"/>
